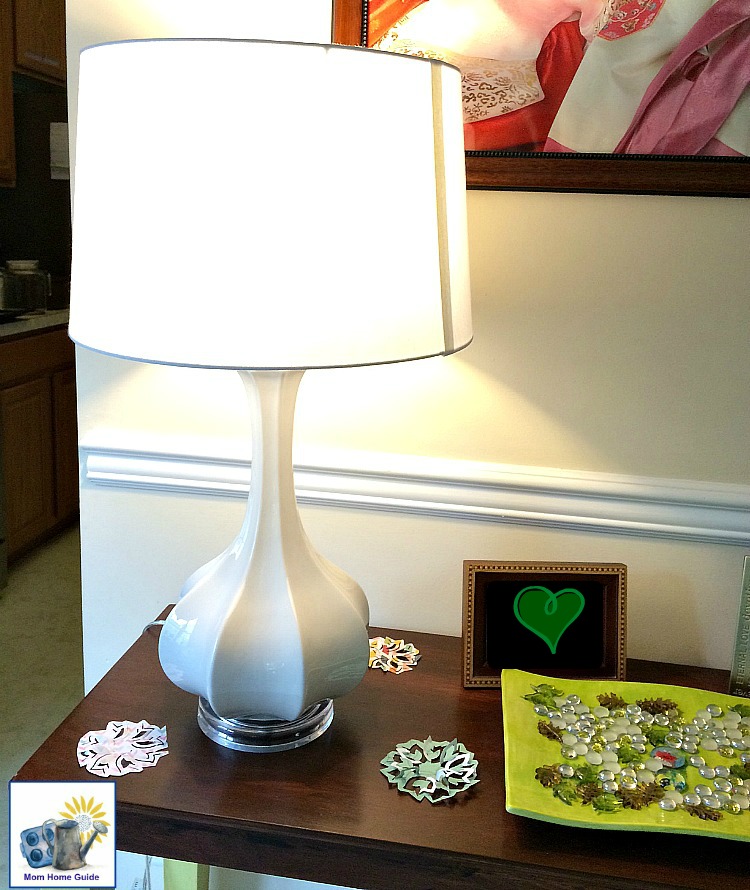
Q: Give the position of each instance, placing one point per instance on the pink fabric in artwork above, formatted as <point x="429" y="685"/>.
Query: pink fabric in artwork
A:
<point x="693" y="94"/>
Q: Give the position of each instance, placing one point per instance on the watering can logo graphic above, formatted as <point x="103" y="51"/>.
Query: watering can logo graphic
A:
<point x="71" y="836"/>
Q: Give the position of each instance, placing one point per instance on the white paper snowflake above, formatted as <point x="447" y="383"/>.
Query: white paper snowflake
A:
<point x="123" y="747"/>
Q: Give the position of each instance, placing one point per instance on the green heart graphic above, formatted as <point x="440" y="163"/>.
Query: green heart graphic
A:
<point x="547" y="614"/>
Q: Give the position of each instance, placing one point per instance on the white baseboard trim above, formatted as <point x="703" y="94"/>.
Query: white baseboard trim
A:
<point x="594" y="502"/>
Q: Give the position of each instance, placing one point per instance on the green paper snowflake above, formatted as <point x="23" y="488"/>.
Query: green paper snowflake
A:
<point x="430" y="770"/>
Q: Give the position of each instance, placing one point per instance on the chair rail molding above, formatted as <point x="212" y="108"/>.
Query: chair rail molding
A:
<point x="717" y="513"/>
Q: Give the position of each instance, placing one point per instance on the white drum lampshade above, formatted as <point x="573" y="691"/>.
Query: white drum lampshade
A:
<point x="268" y="207"/>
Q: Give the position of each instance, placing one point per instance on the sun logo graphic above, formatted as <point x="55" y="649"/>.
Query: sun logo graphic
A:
<point x="89" y="816"/>
<point x="65" y="833"/>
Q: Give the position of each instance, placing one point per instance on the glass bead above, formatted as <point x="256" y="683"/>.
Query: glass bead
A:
<point x="600" y="711"/>
<point x="653" y="763"/>
<point x="567" y="709"/>
<point x="704" y="714"/>
<point x="739" y="744"/>
<point x="707" y="772"/>
<point x="581" y="748"/>
<point x="569" y="739"/>
<point x="566" y="770"/>
<point x="646" y="717"/>
<point x="568" y="753"/>
<point x="609" y="756"/>
<point x="723" y="771"/>
<point x="703" y="790"/>
<point x="709" y="744"/>
<point x="722" y="797"/>
<point x="638" y="738"/>
<point x="633" y="709"/>
<point x="745" y="758"/>
<point x="625" y="739"/>
<point x="731" y="733"/>
<point x="628" y="782"/>
<point x="559" y="700"/>
<point x="645" y="776"/>
<point x="573" y="699"/>
<point x="629" y="772"/>
<point x="697" y="761"/>
<point x="666" y="803"/>
<point x="541" y="710"/>
<point x="731" y="806"/>
<point x="610" y="787"/>
<point x="711" y="801"/>
<point x="674" y="740"/>
<point x="741" y="790"/>
<point x="691" y="799"/>
<point x="671" y="794"/>
<point x="742" y="802"/>
<point x="726" y="751"/>
<point x="606" y="775"/>
<point x="689" y="747"/>
<point x="661" y="720"/>
<point x="714" y="710"/>
<point x="594" y="758"/>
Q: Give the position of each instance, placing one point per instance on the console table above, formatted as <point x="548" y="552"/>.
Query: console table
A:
<point x="325" y="813"/>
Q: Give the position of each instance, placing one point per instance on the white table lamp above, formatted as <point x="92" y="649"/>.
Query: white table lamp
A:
<point x="268" y="207"/>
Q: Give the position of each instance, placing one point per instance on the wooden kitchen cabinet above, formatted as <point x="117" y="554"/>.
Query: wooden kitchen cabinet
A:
<point x="40" y="37"/>
<point x="39" y="436"/>
<point x="7" y="143"/>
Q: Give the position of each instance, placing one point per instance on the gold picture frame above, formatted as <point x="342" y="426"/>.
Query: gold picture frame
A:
<point x="562" y="619"/>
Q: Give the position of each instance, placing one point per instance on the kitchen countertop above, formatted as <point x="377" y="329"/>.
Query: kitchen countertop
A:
<point x="34" y="321"/>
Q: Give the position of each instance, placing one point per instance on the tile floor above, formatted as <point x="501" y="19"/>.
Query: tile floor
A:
<point x="41" y="658"/>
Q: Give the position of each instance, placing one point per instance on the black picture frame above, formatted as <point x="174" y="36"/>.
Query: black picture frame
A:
<point x="496" y="634"/>
<point x="563" y="172"/>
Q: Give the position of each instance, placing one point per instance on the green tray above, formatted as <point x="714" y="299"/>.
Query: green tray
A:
<point x="577" y="795"/>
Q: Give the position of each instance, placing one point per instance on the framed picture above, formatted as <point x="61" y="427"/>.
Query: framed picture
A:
<point x="558" y="619"/>
<point x="521" y="134"/>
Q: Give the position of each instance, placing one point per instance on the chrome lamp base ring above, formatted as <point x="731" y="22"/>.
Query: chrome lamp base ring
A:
<point x="265" y="734"/>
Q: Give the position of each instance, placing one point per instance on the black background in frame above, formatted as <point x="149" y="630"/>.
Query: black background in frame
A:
<point x="510" y="644"/>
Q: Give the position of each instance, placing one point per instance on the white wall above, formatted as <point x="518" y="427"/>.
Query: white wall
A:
<point x="610" y="343"/>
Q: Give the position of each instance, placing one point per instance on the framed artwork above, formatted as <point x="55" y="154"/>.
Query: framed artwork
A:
<point x="562" y="619"/>
<point x="597" y="102"/>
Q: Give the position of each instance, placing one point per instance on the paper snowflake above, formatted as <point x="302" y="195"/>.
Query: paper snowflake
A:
<point x="432" y="770"/>
<point x="392" y="656"/>
<point x="123" y="747"/>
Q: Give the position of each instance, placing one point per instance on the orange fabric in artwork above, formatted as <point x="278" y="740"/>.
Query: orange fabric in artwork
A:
<point x="526" y="129"/>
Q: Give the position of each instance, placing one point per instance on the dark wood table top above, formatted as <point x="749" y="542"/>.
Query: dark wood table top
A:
<point x="325" y="813"/>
